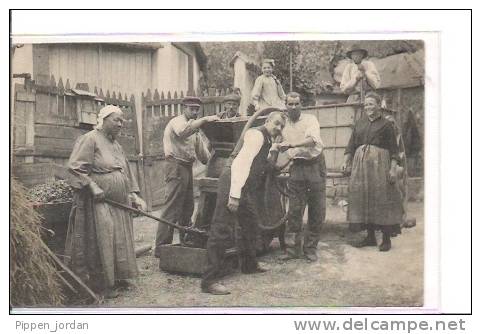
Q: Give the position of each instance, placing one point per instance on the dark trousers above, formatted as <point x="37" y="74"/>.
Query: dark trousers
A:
<point x="307" y="186"/>
<point x="178" y="205"/>
<point x="222" y="232"/>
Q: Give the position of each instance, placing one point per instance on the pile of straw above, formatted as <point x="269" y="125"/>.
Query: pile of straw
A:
<point x="34" y="280"/>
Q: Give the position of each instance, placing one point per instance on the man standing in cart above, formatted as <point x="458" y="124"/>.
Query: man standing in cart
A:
<point x="359" y="76"/>
<point x="307" y="180"/>
<point x="231" y="107"/>
<point x="182" y="144"/>
<point x="237" y="191"/>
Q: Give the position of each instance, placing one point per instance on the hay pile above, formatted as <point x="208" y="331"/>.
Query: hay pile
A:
<point x="34" y="280"/>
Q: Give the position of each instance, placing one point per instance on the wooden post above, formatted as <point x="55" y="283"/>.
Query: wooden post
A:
<point x="26" y="97"/>
<point x="41" y="65"/>
<point x="398" y="107"/>
<point x="290" y="71"/>
<point x="190" y="74"/>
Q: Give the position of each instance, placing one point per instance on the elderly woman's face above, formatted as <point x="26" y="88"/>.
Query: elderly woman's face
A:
<point x="267" y="69"/>
<point x="371" y="107"/>
<point x="113" y="124"/>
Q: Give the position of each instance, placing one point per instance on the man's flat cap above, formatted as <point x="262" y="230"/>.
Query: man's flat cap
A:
<point x="191" y="101"/>
<point x="232" y="97"/>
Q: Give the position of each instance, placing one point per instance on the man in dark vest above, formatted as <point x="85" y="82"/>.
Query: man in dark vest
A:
<point x="236" y="201"/>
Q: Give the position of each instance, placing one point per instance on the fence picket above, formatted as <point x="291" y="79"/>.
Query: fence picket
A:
<point x="67" y="85"/>
<point x="156" y="95"/>
<point x="60" y="87"/>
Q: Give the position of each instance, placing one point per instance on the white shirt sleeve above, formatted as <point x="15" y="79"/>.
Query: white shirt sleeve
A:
<point x="201" y="145"/>
<point x="314" y="132"/>
<point x="257" y="90"/>
<point x="348" y="81"/>
<point x="241" y="166"/>
<point x="182" y="127"/>
<point x="372" y="75"/>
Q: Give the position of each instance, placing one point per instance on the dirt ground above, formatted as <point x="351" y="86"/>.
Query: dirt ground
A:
<point x="343" y="276"/>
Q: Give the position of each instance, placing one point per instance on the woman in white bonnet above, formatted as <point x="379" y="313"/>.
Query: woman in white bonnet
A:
<point x="100" y="243"/>
<point x="268" y="91"/>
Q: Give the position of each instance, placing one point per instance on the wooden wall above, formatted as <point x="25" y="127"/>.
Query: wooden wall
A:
<point x="47" y="121"/>
<point x="336" y="126"/>
<point x="115" y="68"/>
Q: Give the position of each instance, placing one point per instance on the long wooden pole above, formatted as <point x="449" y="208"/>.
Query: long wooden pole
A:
<point x="71" y="273"/>
<point x="143" y="213"/>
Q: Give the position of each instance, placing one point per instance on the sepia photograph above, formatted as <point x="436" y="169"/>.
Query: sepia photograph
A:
<point x="187" y="174"/>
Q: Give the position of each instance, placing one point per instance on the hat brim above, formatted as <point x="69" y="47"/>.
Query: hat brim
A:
<point x="349" y="53"/>
<point x="191" y="104"/>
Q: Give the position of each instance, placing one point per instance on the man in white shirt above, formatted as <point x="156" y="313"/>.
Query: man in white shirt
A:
<point x="182" y="144"/>
<point x="238" y="186"/>
<point x="359" y="76"/>
<point x="307" y="179"/>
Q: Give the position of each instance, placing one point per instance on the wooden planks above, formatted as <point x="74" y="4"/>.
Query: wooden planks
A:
<point x="112" y="67"/>
<point x="46" y="125"/>
<point x="336" y="123"/>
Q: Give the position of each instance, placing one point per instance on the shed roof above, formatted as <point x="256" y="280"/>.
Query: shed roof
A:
<point x="244" y="57"/>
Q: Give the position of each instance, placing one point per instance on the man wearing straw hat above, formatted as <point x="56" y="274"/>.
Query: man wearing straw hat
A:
<point x="359" y="76"/>
<point x="182" y="145"/>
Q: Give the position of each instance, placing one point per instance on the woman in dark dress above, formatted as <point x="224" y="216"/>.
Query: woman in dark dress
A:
<point x="374" y="197"/>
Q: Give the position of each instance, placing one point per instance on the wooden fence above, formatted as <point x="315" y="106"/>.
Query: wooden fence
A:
<point x="336" y="123"/>
<point x="49" y="118"/>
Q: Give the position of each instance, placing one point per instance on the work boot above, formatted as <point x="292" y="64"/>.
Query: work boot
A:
<point x="259" y="269"/>
<point x="290" y="254"/>
<point x="370" y="240"/>
<point x="293" y="247"/>
<point x="216" y="289"/>
<point x="410" y="222"/>
<point x="110" y="293"/>
<point x="386" y="243"/>
<point x="124" y="285"/>
<point x="311" y="255"/>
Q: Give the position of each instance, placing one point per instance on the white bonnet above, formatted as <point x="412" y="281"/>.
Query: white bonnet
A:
<point x="104" y="112"/>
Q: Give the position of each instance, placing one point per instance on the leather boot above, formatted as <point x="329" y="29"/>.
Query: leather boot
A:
<point x="293" y="250"/>
<point x="369" y="240"/>
<point x="216" y="289"/>
<point x="311" y="255"/>
<point x="386" y="243"/>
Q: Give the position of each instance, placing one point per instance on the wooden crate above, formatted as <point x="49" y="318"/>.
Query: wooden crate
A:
<point x="187" y="260"/>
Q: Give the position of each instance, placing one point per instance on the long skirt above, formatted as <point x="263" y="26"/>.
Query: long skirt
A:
<point x="373" y="201"/>
<point x="100" y="242"/>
